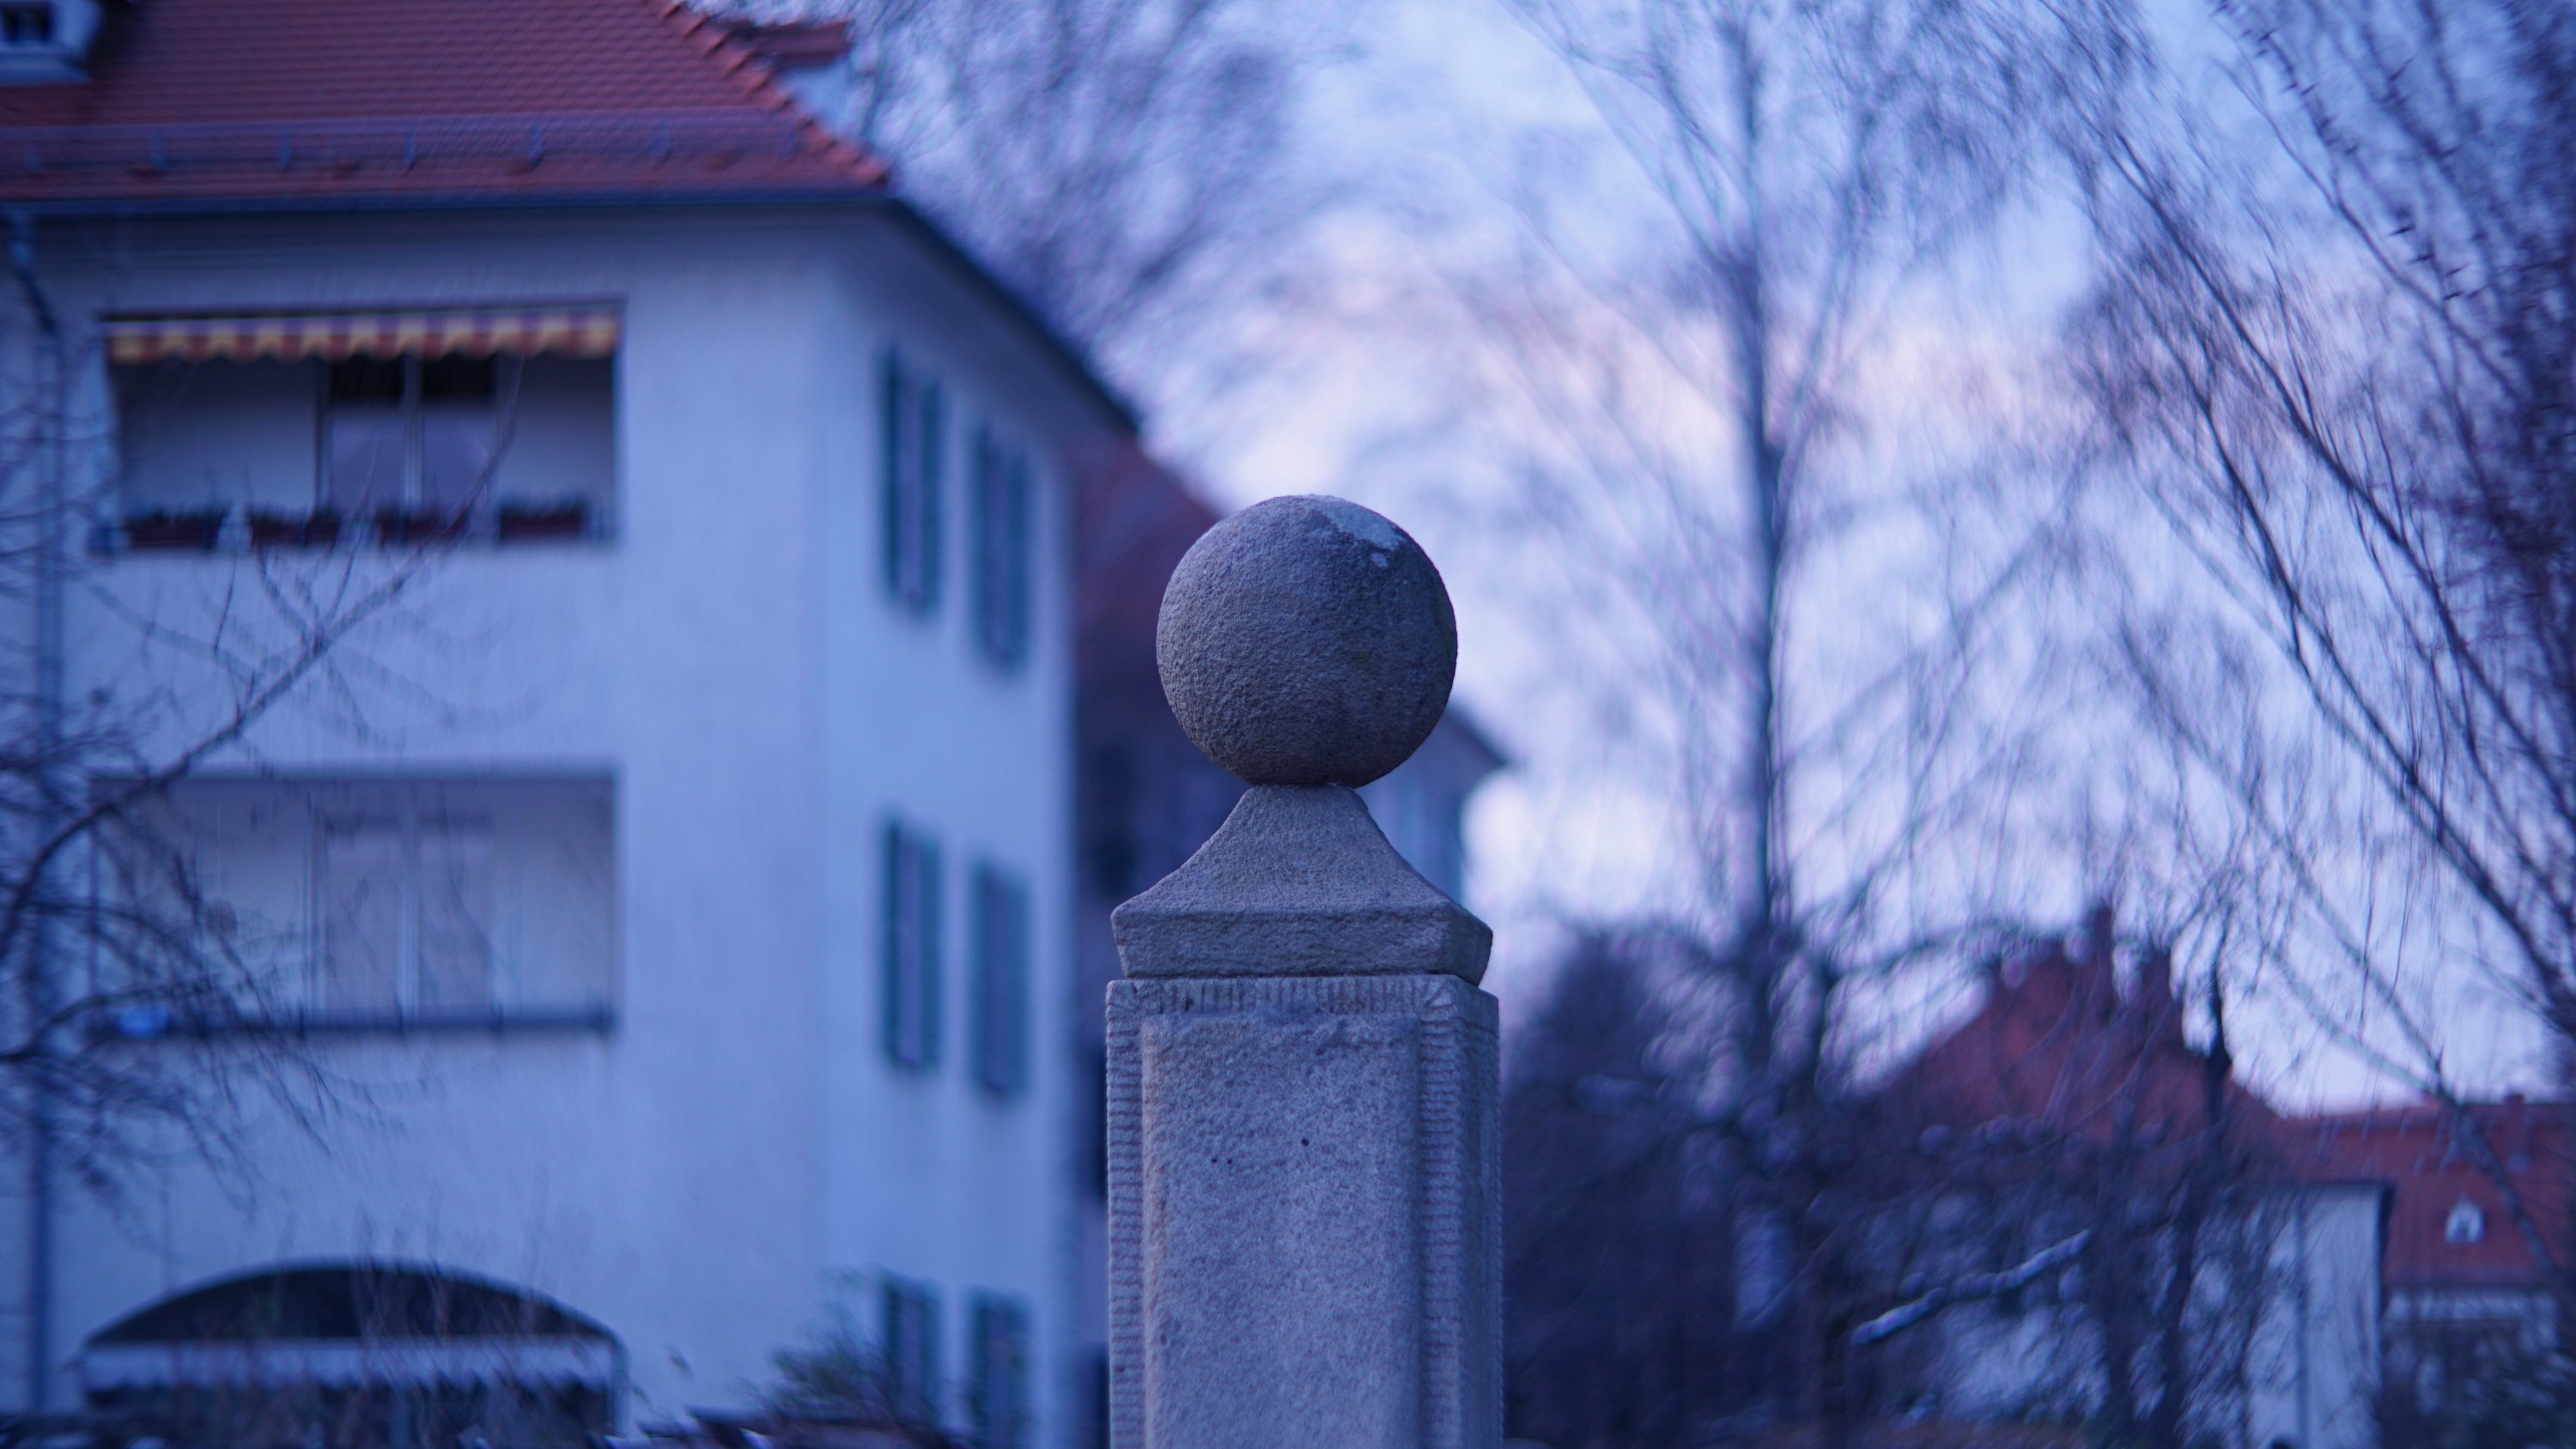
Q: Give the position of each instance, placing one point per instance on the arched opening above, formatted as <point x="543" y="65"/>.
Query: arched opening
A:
<point x="355" y="1356"/>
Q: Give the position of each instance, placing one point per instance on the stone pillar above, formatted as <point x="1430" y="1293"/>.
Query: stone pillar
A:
<point x="1304" y="1208"/>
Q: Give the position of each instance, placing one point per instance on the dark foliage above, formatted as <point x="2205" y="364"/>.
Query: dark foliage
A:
<point x="1618" y="1282"/>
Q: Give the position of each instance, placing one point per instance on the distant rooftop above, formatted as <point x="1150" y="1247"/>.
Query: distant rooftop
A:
<point x="360" y="101"/>
<point x="2450" y="1226"/>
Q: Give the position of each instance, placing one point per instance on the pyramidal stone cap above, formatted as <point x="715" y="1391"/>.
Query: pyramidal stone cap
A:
<point x="1307" y="646"/>
<point x="1307" y="641"/>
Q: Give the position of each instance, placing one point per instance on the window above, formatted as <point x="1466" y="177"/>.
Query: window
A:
<point x="396" y="903"/>
<point x="2466" y="1224"/>
<point x="406" y="912"/>
<point x="914" y="437"/>
<point x="998" y="1387"/>
<point x="26" y="24"/>
<point x="326" y="429"/>
<point x="409" y="435"/>
<point x="912" y="1350"/>
<point x="910" y="912"/>
<point x="1000" y="922"/>
<point x="1001" y="555"/>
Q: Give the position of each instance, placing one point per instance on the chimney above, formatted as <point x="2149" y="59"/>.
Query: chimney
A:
<point x="809" y="59"/>
<point x="2094" y="980"/>
<point x="2153" y="1001"/>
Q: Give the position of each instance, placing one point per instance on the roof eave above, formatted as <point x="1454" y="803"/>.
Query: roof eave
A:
<point x="1016" y="310"/>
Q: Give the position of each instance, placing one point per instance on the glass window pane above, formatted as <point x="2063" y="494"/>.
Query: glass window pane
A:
<point x="455" y="456"/>
<point x="376" y="381"/>
<point x="363" y="460"/>
<point x="455" y="885"/>
<point x="459" y="379"/>
<point x="362" y="918"/>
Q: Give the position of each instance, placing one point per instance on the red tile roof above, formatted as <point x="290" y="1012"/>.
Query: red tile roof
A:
<point x="1133" y="519"/>
<point x="379" y="100"/>
<point x="2417" y="1151"/>
<point x="2057" y="1048"/>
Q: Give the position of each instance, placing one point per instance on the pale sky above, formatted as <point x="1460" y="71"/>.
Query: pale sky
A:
<point x="1437" y="113"/>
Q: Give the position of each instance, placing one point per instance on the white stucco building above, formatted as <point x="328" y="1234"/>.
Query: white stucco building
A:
<point x="672" y="882"/>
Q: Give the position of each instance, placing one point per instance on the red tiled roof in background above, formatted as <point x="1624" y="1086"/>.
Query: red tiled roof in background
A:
<point x="384" y="99"/>
<point x="2414" y="1149"/>
<point x="2059" y="1047"/>
<point x="1133" y="519"/>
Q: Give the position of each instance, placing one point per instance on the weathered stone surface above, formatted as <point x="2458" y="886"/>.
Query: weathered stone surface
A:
<point x="1304" y="1203"/>
<point x="1304" y="1214"/>
<point x="1298" y="882"/>
<point x="1307" y="641"/>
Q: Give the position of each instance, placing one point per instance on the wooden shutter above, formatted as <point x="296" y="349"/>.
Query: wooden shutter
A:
<point x="912" y="425"/>
<point x="893" y="900"/>
<point x="930" y="485"/>
<point x="928" y="972"/>
<point x="999" y="492"/>
<point x="999" y="1382"/>
<point x="894" y="434"/>
<point x="912" y="1349"/>
<point x="910" y="908"/>
<point x="1001" y="984"/>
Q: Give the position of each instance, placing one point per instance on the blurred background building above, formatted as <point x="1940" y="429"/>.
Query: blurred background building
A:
<point x="649" y="648"/>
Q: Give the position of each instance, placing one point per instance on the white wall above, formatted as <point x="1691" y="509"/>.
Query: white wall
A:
<point x="2312" y="1367"/>
<point x="930" y="1177"/>
<point x="2316" y="1373"/>
<point x="704" y="1177"/>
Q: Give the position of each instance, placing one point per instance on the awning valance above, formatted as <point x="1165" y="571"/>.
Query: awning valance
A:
<point x="565" y="331"/>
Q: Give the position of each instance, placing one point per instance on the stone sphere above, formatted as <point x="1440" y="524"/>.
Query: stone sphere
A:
<point x="1307" y="641"/>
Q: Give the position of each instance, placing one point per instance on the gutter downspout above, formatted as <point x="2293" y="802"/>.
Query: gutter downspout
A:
<point x="50" y="564"/>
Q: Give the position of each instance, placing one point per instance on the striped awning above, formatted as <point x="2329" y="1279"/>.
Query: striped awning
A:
<point x="565" y="331"/>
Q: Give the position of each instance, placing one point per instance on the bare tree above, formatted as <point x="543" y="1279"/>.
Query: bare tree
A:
<point x="1704" y="369"/>
<point x="1622" y="1278"/>
<point x="2330" y="347"/>
<point x="2071" y="1125"/>
<point x="1126" y="166"/>
<point x="142" y="1014"/>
